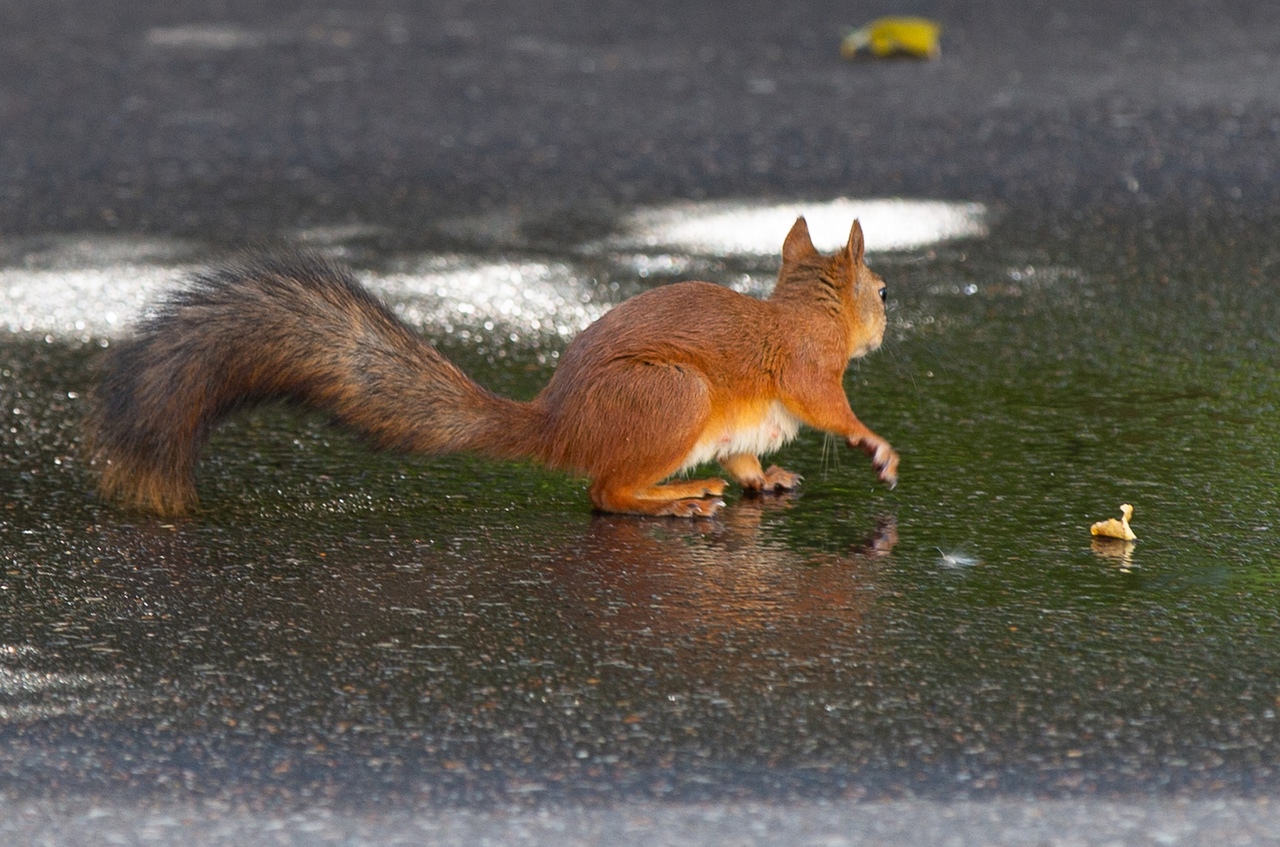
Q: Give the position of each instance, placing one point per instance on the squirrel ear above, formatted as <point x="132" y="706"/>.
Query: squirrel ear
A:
<point x="798" y="244"/>
<point x="856" y="247"/>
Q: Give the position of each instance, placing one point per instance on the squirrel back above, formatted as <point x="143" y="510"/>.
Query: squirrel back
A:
<point x="679" y="375"/>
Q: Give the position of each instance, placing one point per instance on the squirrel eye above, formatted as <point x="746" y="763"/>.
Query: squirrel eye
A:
<point x="884" y="292"/>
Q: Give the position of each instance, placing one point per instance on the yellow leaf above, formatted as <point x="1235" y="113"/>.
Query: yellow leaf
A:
<point x="894" y="36"/>
<point x="1112" y="528"/>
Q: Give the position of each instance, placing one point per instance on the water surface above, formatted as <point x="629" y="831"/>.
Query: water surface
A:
<point x="347" y="627"/>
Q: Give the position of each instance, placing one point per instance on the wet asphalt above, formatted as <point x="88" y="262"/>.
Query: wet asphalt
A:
<point x="248" y="119"/>
<point x="245" y="121"/>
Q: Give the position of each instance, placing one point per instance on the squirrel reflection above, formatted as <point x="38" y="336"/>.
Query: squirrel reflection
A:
<point x="724" y="597"/>
<point x="707" y="585"/>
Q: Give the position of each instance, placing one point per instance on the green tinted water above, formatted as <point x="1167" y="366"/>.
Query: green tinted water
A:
<point x="341" y="624"/>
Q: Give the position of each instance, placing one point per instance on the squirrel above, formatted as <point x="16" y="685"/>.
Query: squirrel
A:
<point x="674" y="377"/>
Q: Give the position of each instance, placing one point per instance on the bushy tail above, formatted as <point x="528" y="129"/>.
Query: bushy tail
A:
<point x="294" y="327"/>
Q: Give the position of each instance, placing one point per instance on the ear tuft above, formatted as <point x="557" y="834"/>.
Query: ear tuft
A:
<point x="798" y="244"/>
<point x="856" y="247"/>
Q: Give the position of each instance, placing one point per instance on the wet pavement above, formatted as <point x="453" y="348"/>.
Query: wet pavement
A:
<point x="345" y="647"/>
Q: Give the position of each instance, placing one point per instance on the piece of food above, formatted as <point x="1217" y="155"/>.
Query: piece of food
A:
<point x="894" y="37"/>
<point x="1112" y="528"/>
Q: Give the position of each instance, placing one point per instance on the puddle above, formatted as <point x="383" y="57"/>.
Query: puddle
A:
<point x="373" y="628"/>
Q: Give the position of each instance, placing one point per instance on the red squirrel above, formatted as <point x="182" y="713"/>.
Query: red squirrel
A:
<point x="677" y="376"/>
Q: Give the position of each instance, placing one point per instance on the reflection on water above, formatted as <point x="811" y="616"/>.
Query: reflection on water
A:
<point x="753" y="229"/>
<point x="203" y="37"/>
<point x="84" y="287"/>
<point x="79" y="304"/>
<point x="531" y="299"/>
<point x="1116" y="550"/>
<point x="28" y="694"/>
<point x="695" y="589"/>
<point x="94" y="287"/>
<point x="69" y="298"/>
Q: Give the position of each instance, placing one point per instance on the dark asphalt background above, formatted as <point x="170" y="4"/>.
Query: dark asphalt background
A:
<point x="288" y="114"/>
<point x="238" y="121"/>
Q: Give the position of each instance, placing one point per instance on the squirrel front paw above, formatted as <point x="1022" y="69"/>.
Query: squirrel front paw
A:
<point x="778" y="479"/>
<point x="883" y="457"/>
<point x="694" y="508"/>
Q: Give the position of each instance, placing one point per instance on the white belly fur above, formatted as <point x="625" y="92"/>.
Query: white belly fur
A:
<point x="776" y="428"/>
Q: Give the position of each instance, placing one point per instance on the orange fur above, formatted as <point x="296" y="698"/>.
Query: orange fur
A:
<point x="679" y="375"/>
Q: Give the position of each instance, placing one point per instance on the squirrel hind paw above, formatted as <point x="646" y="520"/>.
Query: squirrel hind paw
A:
<point x="694" y="508"/>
